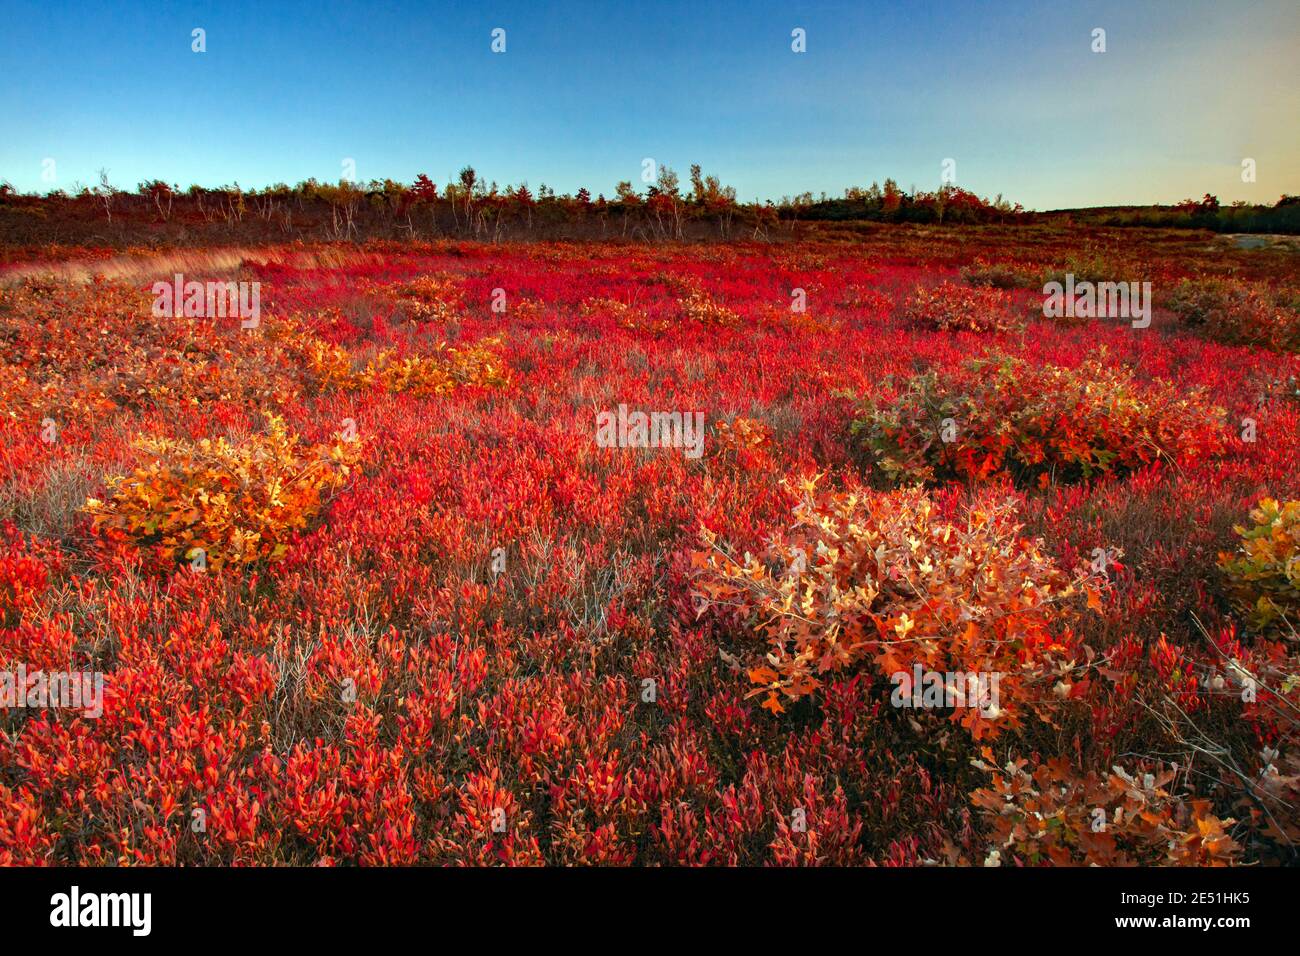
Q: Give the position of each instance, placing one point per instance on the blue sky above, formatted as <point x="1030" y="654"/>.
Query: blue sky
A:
<point x="585" y="91"/>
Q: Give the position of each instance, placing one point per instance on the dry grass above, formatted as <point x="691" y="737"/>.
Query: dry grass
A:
<point x="139" y="268"/>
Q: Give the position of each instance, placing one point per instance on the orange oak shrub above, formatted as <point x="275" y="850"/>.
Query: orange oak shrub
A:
<point x="700" y="307"/>
<point x="326" y="367"/>
<point x="1265" y="570"/>
<point x="951" y="307"/>
<point x="1050" y="814"/>
<point x="1002" y="416"/>
<point x="332" y="368"/>
<point x="749" y="432"/>
<point x="429" y="299"/>
<point x="237" y="503"/>
<point x="881" y="579"/>
<point x="446" y="369"/>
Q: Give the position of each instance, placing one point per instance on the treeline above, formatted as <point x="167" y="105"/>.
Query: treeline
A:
<point x="888" y="203"/>
<point x="470" y="207"/>
<point x="466" y="207"/>
<point x="1206" y="213"/>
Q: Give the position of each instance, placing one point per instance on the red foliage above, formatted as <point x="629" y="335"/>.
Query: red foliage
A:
<point x="483" y="650"/>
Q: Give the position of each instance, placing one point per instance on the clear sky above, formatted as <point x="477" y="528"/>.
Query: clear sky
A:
<point x="1011" y="91"/>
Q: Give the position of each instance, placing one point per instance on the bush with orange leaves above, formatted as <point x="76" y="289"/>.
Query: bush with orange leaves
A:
<point x="331" y="368"/>
<point x="237" y="503"/>
<point x="475" y="366"/>
<point x="429" y="298"/>
<point x="700" y="307"/>
<point x="1051" y="815"/>
<point x="1002" y="416"/>
<point x="1265" y="570"/>
<point x="747" y="440"/>
<point x="883" y="578"/>
<point x="950" y="307"/>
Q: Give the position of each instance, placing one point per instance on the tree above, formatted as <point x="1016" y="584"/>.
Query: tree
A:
<point x="159" y="193"/>
<point x="668" y="199"/>
<point x="627" y="200"/>
<point x="524" y="200"/>
<point x="343" y="200"/>
<point x="697" y="185"/>
<point x="424" y="189"/>
<point x="468" y="180"/>
<point x="106" y="193"/>
<point x="891" y="199"/>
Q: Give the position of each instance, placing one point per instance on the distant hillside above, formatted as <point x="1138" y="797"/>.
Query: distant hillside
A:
<point x="1282" y="217"/>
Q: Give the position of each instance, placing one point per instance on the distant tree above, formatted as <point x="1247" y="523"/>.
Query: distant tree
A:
<point x="628" y="201"/>
<point x="343" y="201"/>
<point x="468" y="180"/>
<point x="158" y="192"/>
<point x="891" y="200"/>
<point x="697" y="185"/>
<point x="106" y="193"/>
<point x="424" y="189"/>
<point x="667" y="199"/>
<point x="712" y="199"/>
<point x="524" y="200"/>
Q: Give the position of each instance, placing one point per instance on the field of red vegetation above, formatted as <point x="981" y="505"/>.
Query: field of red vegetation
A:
<point x="389" y="576"/>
